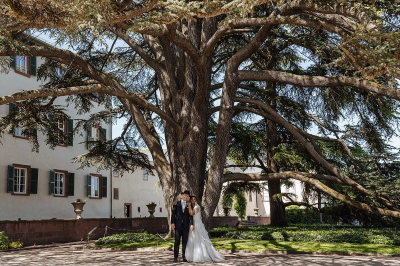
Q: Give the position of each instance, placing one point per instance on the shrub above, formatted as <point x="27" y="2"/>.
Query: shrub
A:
<point x="16" y="244"/>
<point x="295" y="215"/>
<point x="125" y="238"/>
<point x="4" y="241"/>
<point x="240" y="204"/>
<point x="327" y="233"/>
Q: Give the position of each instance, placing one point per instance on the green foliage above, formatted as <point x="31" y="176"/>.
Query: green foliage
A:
<point x="227" y="200"/>
<point x="16" y="244"/>
<point x="341" y="234"/>
<point x="235" y="190"/>
<point x="295" y="215"/>
<point x="125" y="238"/>
<point x="4" y="241"/>
<point x="240" y="204"/>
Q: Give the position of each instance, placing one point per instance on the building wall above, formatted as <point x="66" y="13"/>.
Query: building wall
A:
<point x="133" y="189"/>
<point x="18" y="151"/>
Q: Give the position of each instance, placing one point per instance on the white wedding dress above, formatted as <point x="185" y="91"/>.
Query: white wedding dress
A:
<point x="199" y="247"/>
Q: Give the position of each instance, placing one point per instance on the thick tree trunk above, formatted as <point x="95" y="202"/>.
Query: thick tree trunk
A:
<point x="184" y="90"/>
<point x="277" y="208"/>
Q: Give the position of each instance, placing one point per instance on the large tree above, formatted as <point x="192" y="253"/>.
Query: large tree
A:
<point x="177" y="57"/>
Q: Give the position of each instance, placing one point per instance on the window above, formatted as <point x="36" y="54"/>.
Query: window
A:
<point x="95" y="133"/>
<point x="250" y="197"/>
<point x="138" y="209"/>
<point x="61" y="183"/>
<point x="21" y="64"/>
<point x="96" y="186"/>
<point x="160" y="209"/>
<point x="115" y="173"/>
<point x="19" y="132"/>
<point x="265" y="194"/>
<point x="145" y="175"/>
<point x="62" y="127"/>
<point x="16" y="131"/>
<point x="65" y="130"/>
<point x="22" y="179"/>
<point x="116" y="193"/>
<point x="24" y="65"/>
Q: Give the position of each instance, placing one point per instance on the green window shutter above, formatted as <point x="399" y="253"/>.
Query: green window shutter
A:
<point x="104" y="187"/>
<point x="12" y="62"/>
<point x="51" y="182"/>
<point x="33" y="186"/>
<point x="32" y="65"/>
<point x="103" y="134"/>
<point x="89" y="185"/>
<point x="70" y="135"/>
<point x="10" y="179"/>
<point x="71" y="184"/>
<point x="89" y="136"/>
<point x="11" y="106"/>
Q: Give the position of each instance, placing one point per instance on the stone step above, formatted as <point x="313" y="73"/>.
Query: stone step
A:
<point x="246" y="223"/>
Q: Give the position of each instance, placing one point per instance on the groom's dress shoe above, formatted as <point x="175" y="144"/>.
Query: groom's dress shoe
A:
<point x="175" y="260"/>
<point x="184" y="260"/>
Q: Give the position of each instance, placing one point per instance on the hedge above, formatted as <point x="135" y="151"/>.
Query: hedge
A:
<point x="328" y="233"/>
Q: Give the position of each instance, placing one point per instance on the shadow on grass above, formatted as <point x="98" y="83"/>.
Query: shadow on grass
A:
<point x="276" y="244"/>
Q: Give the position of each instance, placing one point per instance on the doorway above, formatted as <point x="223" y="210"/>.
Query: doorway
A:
<point x="127" y="210"/>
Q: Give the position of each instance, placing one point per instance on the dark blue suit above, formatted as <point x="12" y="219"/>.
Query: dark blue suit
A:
<point x="182" y="220"/>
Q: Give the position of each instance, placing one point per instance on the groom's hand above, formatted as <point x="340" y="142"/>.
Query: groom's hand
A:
<point x="192" y="227"/>
<point x="172" y="226"/>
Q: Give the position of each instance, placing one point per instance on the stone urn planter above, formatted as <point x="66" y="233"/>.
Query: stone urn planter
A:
<point x="78" y="208"/>
<point x="256" y="211"/>
<point x="226" y="211"/>
<point x="151" y="208"/>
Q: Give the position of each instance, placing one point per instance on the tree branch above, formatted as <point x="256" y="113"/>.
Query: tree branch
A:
<point x="311" y="149"/>
<point x="319" y="81"/>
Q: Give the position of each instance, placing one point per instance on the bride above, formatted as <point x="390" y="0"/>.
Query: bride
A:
<point x="199" y="247"/>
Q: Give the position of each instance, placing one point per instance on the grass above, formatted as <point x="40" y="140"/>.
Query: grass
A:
<point x="271" y="245"/>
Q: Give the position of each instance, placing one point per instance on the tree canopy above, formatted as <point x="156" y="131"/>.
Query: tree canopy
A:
<point x="190" y="68"/>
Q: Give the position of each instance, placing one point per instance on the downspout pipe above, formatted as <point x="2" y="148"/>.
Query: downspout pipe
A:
<point x="111" y="179"/>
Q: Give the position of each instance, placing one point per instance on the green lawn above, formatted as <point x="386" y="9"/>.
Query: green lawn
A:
<point x="271" y="245"/>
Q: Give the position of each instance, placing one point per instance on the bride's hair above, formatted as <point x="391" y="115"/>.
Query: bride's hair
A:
<point x="190" y="200"/>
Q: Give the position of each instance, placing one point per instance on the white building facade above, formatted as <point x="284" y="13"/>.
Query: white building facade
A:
<point x="43" y="185"/>
<point x="133" y="191"/>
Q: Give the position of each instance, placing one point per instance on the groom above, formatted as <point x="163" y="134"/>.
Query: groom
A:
<point x="181" y="220"/>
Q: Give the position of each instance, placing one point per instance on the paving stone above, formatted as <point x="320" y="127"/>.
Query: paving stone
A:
<point x="78" y="255"/>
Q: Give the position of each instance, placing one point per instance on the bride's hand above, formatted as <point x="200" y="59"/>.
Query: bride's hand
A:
<point x="192" y="227"/>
